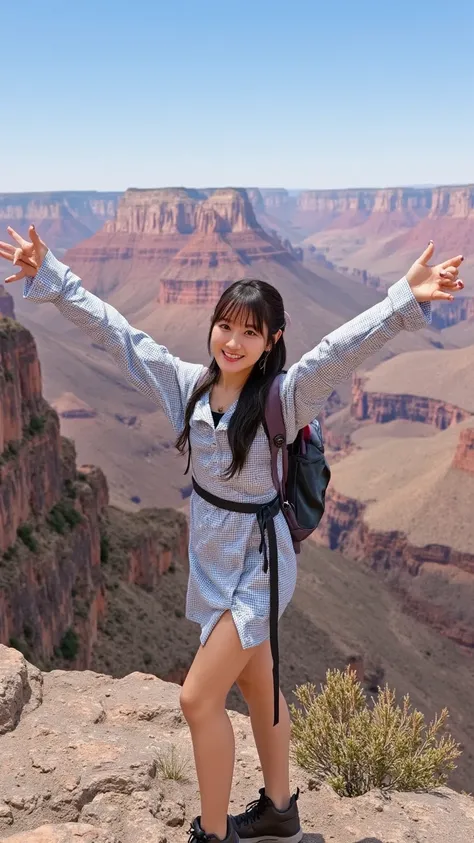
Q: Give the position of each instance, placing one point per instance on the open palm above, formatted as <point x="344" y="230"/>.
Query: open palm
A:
<point x="433" y="283"/>
<point x="27" y="255"/>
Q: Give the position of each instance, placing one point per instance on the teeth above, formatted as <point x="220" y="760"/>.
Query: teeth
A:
<point x="233" y="356"/>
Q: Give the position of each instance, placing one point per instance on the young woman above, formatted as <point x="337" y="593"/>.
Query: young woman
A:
<point x="221" y="423"/>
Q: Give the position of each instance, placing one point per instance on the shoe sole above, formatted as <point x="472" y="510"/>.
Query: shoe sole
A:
<point x="272" y="838"/>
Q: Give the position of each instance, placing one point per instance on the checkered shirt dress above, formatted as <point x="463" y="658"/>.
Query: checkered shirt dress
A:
<point x="225" y="565"/>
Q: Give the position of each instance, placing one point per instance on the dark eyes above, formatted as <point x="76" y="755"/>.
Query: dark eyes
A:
<point x="224" y="325"/>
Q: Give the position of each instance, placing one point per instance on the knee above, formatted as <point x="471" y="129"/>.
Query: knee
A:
<point x="197" y="704"/>
<point x="248" y="688"/>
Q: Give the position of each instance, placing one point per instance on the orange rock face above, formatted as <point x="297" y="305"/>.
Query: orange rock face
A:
<point x="380" y="408"/>
<point x="343" y="528"/>
<point x="194" y="243"/>
<point x="464" y="455"/>
<point x="51" y="577"/>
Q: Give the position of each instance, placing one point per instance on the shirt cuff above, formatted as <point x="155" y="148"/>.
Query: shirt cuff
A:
<point x="414" y="314"/>
<point x="48" y="282"/>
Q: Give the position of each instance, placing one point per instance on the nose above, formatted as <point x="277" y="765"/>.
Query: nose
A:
<point x="233" y="342"/>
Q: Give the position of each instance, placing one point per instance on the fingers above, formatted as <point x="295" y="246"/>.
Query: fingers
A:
<point x="37" y="243"/>
<point x="441" y="295"/>
<point x="34" y="239"/>
<point x="452" y="285"/>
<point x="457" y="261"/>
<point x="7" y="255"/>
<point x="427" y="254"/>
<point x="449" y="274"/>
<point x="17" y="237"/>
<point x="6" y="248"/>
<point x="18" y="277"/>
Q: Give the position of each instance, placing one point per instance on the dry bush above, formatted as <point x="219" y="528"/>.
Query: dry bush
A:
<point x="354" y="747"/>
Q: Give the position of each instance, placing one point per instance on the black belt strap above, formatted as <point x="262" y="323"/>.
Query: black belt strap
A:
<point x="265" y="513"/>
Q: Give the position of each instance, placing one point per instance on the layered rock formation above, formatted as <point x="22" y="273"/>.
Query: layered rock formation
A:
<point x="385" y="230"/>
<point x="380" y="408"/>
<point x="427" y="575"/>
<point x="84" y="757"/>
<point x="152" y="227"/>
<point x="387" y="208"/>
<point x="56" y="525"/>
<point x="194" y="243"/>
<point x="422" y="576"/>
<point x="63" y="218"/>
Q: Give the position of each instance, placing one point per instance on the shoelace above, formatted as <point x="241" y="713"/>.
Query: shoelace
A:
<point x="253" y="811"/>
<point x="195" y="835"/>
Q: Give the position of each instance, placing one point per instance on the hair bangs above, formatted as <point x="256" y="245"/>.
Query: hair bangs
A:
<point x="244" y="304"/>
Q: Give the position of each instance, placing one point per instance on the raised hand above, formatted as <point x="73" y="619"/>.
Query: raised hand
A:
<point x="28" y="256"/>
<point x="431" y="283"/>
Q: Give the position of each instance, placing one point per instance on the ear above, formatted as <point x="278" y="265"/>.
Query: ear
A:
<point x="276" y="337"/>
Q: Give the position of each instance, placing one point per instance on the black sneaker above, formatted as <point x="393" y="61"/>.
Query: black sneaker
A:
<point x="197" y="835"/>
<point x="261" y="822"/>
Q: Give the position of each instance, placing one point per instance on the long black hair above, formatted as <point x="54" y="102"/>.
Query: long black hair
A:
<point x="262" y="304"/>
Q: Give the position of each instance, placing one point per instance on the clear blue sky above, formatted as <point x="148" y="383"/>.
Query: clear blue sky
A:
<point x="108" y="94"/>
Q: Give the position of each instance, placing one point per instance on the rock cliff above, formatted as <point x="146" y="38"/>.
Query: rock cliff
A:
<point x="63" y="218"/>
<point x="192" y="242"/>
<point x="56" y="527"/>
<point x="85" y="757"/>
<point x="425" y="578"/>
<point x="390" y="208"/>
<point x="380" y="408"/>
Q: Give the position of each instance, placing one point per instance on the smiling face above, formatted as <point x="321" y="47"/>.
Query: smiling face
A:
<point x="237" y="344"/>
<point x="240" y="332"/>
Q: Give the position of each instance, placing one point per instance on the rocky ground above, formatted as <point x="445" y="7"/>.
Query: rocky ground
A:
<point x="84" y="758"/>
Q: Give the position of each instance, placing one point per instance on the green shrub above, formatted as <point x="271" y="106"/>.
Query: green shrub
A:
<point x="8" y="375"/>
<point x="338" y="739"/>
<point x="62" y="516"/>
<point x="25" y="533"/>
<point x="36" y="425"/>
<point x="81" y="476"/>
<point x="69" y="645"/>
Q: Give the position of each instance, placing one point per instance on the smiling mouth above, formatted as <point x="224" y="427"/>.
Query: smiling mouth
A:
<point x="232" y="357"/>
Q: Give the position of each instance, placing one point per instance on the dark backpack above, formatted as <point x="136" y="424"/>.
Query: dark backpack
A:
<point x="306" y="473"/>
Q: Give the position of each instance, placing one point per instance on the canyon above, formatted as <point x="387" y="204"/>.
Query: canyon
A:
<point x="57" y="528"/>
<point x="63" y="217"/>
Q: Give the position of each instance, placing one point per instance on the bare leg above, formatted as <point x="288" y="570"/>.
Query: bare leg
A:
<point x="203" y="697"/>
<point x="273" y="742"/>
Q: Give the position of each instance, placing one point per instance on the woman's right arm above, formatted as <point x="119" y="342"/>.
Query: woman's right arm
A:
<point x="149" y="367"/>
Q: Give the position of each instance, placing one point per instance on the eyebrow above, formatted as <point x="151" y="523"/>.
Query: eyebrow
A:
<point x="247" y="324"/>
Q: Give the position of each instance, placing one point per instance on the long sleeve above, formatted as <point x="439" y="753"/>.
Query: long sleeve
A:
<point x="310" y="381"/>
<point x="148" y="366"/>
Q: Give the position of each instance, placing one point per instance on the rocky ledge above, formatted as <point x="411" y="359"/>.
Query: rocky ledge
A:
<point x="83" y="759"/>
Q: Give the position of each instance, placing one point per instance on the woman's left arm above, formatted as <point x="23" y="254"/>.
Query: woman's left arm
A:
<point x="407" y="306"/>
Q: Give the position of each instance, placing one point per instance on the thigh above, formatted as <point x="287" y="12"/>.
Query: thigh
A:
<point x="218" y="663"/>
<point x="257" y="672"/>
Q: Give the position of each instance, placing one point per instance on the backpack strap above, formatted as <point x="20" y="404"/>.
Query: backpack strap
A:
<point x="276" y="433"/>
